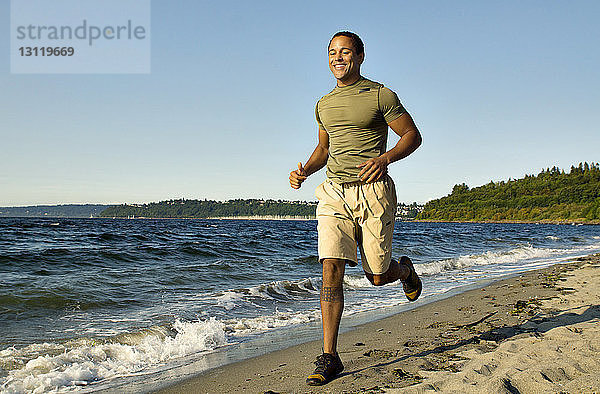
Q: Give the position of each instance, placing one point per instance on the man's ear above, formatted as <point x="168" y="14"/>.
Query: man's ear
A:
<point x="361" y="57"/>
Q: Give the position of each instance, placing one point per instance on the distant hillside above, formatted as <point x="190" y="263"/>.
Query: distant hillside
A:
<point x="232" y="209"/>
<point x="552" y="195"/>
<point x="208" y="208"/>
<point x="54" y="211"/>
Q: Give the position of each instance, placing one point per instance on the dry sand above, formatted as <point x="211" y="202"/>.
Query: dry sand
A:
<point x="535" y="333"/>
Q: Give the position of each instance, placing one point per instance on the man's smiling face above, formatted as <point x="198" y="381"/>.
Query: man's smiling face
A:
<point x="344" y="62"/>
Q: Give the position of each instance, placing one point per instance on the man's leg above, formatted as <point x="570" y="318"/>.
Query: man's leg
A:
<point x="328" y="364"/>
<point x="332" y="302"/>
<point x="395" y="272"/>
<point x="403" y="270"/>
<point x="336" y="230"/>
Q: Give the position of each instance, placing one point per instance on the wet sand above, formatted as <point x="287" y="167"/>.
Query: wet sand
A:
<point x="537" y="332"/>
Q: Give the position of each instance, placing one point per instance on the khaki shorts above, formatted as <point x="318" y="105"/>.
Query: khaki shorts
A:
<point x="354" y="214"/>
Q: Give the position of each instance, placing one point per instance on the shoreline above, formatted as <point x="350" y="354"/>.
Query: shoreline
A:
<point x="301" y="218"/>
<point x="408" y="350"/>
<point x="558" y="222"/>
<point x="306" y="218"/>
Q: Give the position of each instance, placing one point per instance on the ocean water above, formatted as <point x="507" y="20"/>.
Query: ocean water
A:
<point x="90" y="304"/>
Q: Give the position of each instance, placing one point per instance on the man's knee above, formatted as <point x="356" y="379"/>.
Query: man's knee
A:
<point x="333" y="269"/>
<point x="376" y="280"/>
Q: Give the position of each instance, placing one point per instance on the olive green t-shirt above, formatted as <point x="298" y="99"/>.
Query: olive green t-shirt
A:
<point x="356" y="119"/>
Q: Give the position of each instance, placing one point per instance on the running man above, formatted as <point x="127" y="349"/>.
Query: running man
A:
<point x="357" y="201"/>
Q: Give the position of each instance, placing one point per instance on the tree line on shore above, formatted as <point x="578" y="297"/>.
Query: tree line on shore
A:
<point x="552" y="195"/>
<point x="182" y="208"/>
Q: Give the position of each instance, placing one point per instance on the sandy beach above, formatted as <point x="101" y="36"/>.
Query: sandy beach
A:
<point x="536" y="332"/>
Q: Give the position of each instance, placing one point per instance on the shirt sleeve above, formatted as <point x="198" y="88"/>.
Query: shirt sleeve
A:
<point x="321" y="127"/>
<point x="389" y="105"/>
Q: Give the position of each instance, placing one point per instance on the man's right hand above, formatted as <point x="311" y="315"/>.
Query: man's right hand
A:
<point x="297" y="177"/>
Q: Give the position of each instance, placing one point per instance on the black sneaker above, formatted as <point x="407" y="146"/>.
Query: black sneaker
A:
<point x="328" y="366"/>
<point x="412" y="285"/>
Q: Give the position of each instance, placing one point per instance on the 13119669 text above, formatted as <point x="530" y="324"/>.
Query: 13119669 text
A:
<point x="47" y="51"/>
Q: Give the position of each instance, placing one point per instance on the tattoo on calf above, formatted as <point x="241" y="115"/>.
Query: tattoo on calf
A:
<point x="332" y="294"/>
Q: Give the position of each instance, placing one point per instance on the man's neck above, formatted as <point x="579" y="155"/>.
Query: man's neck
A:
<point x="349" y="81"/>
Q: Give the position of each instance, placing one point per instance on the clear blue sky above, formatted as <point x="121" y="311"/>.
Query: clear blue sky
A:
<point x="498" y="90"/>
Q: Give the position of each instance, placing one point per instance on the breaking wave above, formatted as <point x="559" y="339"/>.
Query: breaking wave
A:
<point x="53" y="366"/>
<point x="508" y="257"/>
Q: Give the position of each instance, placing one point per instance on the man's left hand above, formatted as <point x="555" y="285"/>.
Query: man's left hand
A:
<point x="373" y="169"/>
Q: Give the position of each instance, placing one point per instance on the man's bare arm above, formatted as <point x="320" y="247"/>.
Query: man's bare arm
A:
<point x="410" y="139"/>
<point x="317" y="160"/>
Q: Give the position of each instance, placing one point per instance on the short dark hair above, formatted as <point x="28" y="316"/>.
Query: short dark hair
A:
<point x="356" y="41"/>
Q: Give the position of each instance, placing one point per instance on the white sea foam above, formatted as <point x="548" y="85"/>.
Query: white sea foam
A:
<point x="229" y="300"/>
<point x="512" y="256"/>
<point x="254" y="325"/>
<point x="275" y="290"/>
<point x="45" y="367"/>
<point x="356" y="282"/>
<point x="298" y="289"/>
<point x="287" y="288"/>
<point x="284" y="289"/>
